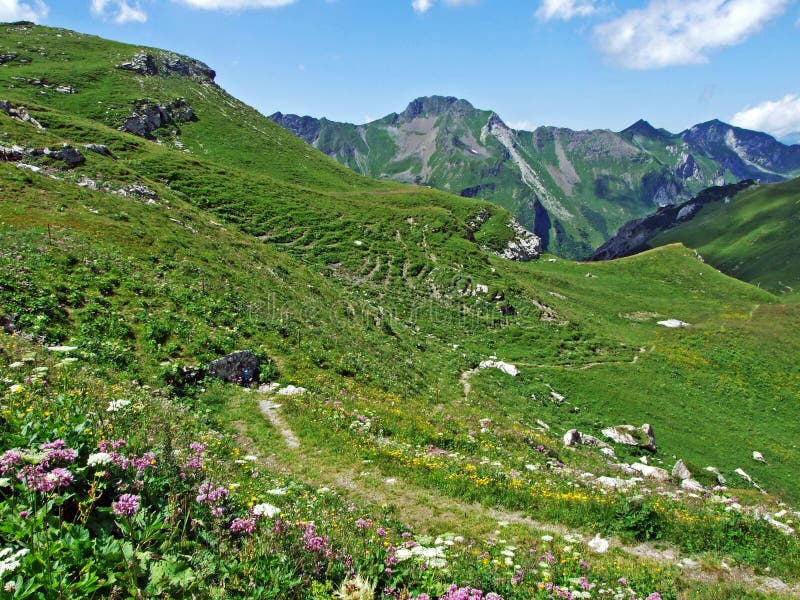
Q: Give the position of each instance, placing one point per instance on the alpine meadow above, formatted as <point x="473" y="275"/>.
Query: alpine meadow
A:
<point x="235" y="368"/>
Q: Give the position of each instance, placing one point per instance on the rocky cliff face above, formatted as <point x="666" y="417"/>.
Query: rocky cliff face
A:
<point x="633" y="237"/>
<point x="573" y="188"/>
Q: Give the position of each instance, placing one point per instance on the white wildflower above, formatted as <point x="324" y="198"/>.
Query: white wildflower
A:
<point x="116" y="405"/>
<point x="266" y="510"/>
<point x="98" y="459"/>
<point x="16" y="388"/>
<point x="547" y="538"/>
<point x="16" y="365"/>
<point x="598" y="544"/>
<point x="277" y="492"/>
<point x="10" y="561"/>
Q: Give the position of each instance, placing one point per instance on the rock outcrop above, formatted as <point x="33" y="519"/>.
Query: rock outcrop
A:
<point x="101" y="150"/>
<point x="681" y="471"/>
<point x="147" y="117"/>
<point x="240" y="367"/>
<point x="628" y="435"/>
<point x="524" y="247"/>
<point x="167" y="63"/>
<point x="19" y="112"/>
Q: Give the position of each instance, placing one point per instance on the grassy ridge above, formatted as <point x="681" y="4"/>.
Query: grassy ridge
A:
<point x="373" y="296"/>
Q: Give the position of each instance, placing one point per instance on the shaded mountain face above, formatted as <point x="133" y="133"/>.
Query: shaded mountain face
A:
<point x="573" y="188"/>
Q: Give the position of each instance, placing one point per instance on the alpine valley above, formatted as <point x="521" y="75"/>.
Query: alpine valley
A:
<point x="231" y="367"/>
<point x="574" y="189"/>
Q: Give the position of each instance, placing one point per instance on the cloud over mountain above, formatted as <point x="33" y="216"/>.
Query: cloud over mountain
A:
<point x="778" y="117"/>
<point x="674" y="32"/>
<point x="15" y="10"/>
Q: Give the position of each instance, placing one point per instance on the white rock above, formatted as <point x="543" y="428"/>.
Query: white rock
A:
<point x="651" y="472"/>
<point x="291" y="390"/>
<point x="268" y="388"/>
<point x="62" y="348"/>
<point x="759" y="457"/>
<point x="542" y="424"/>
<point x="598" y="544"/>
<point x="608" y="452"/>
<point x="681" y="471"/>
<point x="505" y="367"/>
<point x="572" y="438"/>
<point x="673" y="323"/>
<point x="616" y="483"/>
<point x="720" y="477"/>
<point x="692" y="485"/>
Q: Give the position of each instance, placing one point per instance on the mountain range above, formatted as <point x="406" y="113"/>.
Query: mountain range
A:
<point x="573" y="189"/>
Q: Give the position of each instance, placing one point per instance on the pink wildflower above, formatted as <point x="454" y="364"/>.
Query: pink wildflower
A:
<point x="240" y="525"/>
<point x="127" y="505"/>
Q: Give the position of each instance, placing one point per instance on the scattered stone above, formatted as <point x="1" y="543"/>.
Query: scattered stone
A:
<point x="20" y="113"/>
<point x="557" y="397"/>
<point x="71" y="156"/>
<point x="572" y="438"/>
<point x="759" y="457"/>
<point x="506" y="368"/>
<point x="268" y="388"/>
<point x="137" y="189"/>
<point x="542" y="424"/>
<point x="167" y="63"/>
<point x="628" y="435"/>
<point x="681" y="471"/>
<point x="7" y="57"/>
<point x="240" y="367"/>
<point x="616" y="483"/>
<point x="33" y="168"/>
<point x="608" y="451"/>
<point x="673" y="323"/>
<point x="291" y="390"/>
<point x="651" y="472"/>
<point x="590" y="275"/>
<point x="65" y="89"/>
<point x="101" y="150"/>
<point x="720" y="477"/>
<point x="692" y="485"/>
<point x="62" y="348"/>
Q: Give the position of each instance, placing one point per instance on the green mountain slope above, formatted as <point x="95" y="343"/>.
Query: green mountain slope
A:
<point x="224" y="232"/>
<point x="746" y="232"/>
<point x="574" y="189"/>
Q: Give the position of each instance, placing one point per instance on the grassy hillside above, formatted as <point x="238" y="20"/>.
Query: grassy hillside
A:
<point x="381" y="301"/>
<point x="752" y="237"/>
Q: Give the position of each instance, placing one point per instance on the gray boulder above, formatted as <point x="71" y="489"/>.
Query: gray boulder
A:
<point x="572" y="438"/>
<point x="101" y="150"/>
<point x="681" y="471"/>
<point x="147" y="117"/>
<point x="141" y="63"/>
<point x="240" y="367"/>
<point x="71" y="156"/>
<point x="628" y="435"/>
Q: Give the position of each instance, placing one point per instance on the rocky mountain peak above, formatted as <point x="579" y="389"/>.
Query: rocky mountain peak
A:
<point x="434" y="106"/>
<point x="644" y="129"/>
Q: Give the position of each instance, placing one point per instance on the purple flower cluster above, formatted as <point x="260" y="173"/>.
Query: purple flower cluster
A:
<point x="127" y="505"/>
<point x="45" y="476"/>
<point x="316" y="543"/>
<point x="246" y="526"/>
<point x="123" y="462"/>
<point x="208" y="494"/>
<point x="195" y="461"/>
<point x="9" y="460"/>
<point x="467" y="593"/>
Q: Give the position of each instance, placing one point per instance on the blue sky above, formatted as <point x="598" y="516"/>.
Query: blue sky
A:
<point x="573" y="63"/>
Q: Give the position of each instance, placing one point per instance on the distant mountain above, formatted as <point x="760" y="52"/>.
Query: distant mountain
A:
<point x="790" y="138"/>
<point x="574" y="189"/>
<point x="747" y="231"/>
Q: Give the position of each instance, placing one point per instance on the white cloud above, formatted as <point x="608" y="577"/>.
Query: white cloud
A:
<point x="14" y="10"/>
<point x="235" y="4"/>
<point x="778" y="117"/>
<point x="523" y="125"/>
<point x="422" y="6"/>
<point x="565" y="9"/>
<point x="118" y="11"/>
<point x="678" y="32"/>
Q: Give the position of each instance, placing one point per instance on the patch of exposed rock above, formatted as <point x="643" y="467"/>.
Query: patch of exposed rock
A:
<point x="67" y="154"/>
<point x="524" y="246"/>
<point x="147" y="117"/>
<point x="240" y="367"/>
<point x="167" y="63"/>
<point x="101" y="150"/>
<point x="628" y="435"/>
<point x="19" y="113"/>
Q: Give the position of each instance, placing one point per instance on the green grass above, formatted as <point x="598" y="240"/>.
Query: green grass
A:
<point x="752" y="237"/>
<point x="371" y="294"/>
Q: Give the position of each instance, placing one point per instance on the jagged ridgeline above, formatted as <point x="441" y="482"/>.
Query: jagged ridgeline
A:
<point x="574" y="189"/>
<point x="410" y="374"/>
